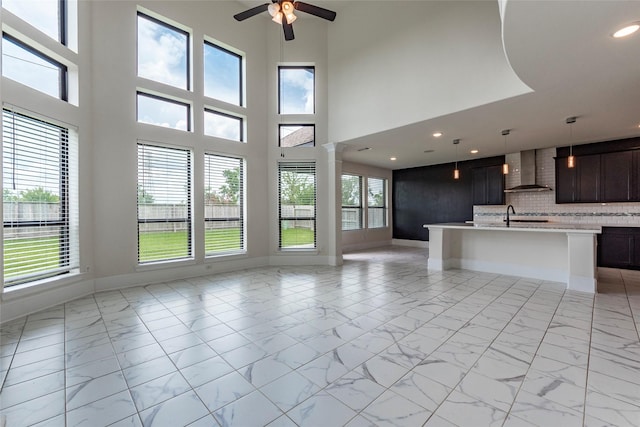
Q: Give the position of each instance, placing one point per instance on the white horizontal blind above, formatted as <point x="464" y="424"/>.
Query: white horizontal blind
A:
<point x="164" y="203"/>
<point x="377" y="202"/>
<point x="297" y="205"/>
<point x="40" y="203"/>
<point x="351" y="202"/>
<point x="223" y="204"/>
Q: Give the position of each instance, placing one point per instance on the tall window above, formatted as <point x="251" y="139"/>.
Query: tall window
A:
<point x="159" y="111"/>
<point x="297" y="136"/>
<point x="296" y="90"/>
<point x="164" y="203"/>
<point x="377" y="202"/>
<point x="223" y="125"/>
<point x="297" y="205"/>
<point x="163" y="52"/>
<point x="222" y="74"/>
<point x="32" y="68"/>
<point x="223" y="204"/>
<point x="39" y="199"/>
<point x="351" y="202"/>
<point x="47" y="16"/>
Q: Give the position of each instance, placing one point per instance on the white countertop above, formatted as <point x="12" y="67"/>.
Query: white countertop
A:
<point x="545" y="227"/>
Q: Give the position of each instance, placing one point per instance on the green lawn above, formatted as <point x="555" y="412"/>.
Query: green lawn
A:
<point x="20" y="254"/>
<point x="292" y="237"/>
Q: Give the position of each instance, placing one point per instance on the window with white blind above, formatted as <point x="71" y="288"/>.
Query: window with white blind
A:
<point x="164" y="203"/>
<point x="223" y="204"/>
<point x="351" y="202"/>
<point x="30" y="67"/>
<point x="297" y="205"/>
<point x="377" y="202"/>
<point x="40" y="203"/>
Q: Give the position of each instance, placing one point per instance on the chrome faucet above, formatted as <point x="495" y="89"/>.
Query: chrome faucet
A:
<point x="513" y="211"/>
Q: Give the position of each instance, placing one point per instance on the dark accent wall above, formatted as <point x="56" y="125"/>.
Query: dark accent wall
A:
<point x="429" y="195"/>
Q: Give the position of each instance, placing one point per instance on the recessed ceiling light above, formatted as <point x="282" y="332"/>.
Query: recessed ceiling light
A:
<point x="393" y="159"/>
<point x="474" y="151"/>
<point x="437" y="134"/>
<point x="627" y="31"/>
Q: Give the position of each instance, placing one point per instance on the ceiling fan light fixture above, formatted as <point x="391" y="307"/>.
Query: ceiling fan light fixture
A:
<point x="273" y="9"/>
<point x="277" y="18"/>
<point x="287" y="7"/>
<point x="290" y="17"/>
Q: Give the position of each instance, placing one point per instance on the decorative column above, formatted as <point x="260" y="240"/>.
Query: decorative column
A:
<point x="334" y="223"/>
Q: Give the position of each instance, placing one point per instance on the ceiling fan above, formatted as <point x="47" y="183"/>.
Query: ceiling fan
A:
<point x="282" y="13"/>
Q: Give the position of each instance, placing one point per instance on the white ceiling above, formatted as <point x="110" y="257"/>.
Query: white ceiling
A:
<point x="562" y="50"/>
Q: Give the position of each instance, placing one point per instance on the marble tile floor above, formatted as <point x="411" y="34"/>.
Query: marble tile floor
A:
<point x="380" y="341"/>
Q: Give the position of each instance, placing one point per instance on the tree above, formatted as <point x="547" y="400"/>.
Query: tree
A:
<point x="39" y="194"/>
<point x="144" y="197"/>
<point x="376" y="199"/>
<point x="230" y="191"/>
<point x="350" y="191"/>
<point x="297" y="188"/>
<point x="9" y="196"/>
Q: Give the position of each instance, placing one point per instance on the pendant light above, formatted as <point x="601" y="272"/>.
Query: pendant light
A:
<point x="456" y="171"/>
<point x="571" y="160"/>
<point x="505" y="166"/>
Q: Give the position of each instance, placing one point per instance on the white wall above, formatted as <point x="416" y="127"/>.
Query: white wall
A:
<point x="418" y="65"/>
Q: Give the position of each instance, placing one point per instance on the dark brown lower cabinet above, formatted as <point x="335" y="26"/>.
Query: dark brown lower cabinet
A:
<point x="619" y="247"/>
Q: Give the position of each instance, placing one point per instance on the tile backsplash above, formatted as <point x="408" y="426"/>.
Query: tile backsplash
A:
<point x="542" y="205"/>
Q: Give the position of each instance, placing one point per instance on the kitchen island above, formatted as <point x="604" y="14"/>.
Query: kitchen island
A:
<point x="551" y="251"/>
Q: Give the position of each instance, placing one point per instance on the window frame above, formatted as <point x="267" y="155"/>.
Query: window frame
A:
<point x="62" y="21"/>
<point x="241" y="201"/>
<point x="67" y="248"/>
<point x="188" y="220"/>
<point x="296" y="67"/>
<point x="63" y="72"/>
<point x="359" y="207"/>
<point x="312" y="166"/>
<point x="384" y="208"/>
<point x="281" y="125"/>
<point x="165" y="99"/>
<point x="240" y="72"/>
<point x="172" y="28"/>
<point x="240" y="119"/>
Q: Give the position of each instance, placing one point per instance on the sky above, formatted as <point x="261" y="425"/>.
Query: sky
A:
<point x="29" y="69"/>
<point x="42" y="14"/>
<point x="296" y="91"/>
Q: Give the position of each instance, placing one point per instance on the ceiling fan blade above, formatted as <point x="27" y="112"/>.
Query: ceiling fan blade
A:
<point x="251" y="12"/>
<point x="288" y="30"/>
<point x="320" y="12"/>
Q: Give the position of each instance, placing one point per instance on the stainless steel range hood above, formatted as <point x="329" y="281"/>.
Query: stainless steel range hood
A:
<point x="527" y="174"/>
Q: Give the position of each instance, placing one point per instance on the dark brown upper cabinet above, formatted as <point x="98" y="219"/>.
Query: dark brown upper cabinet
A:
<point x="617" y="177"/>
<point x="599" y="178"/>
<point x="488" y="185"/>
